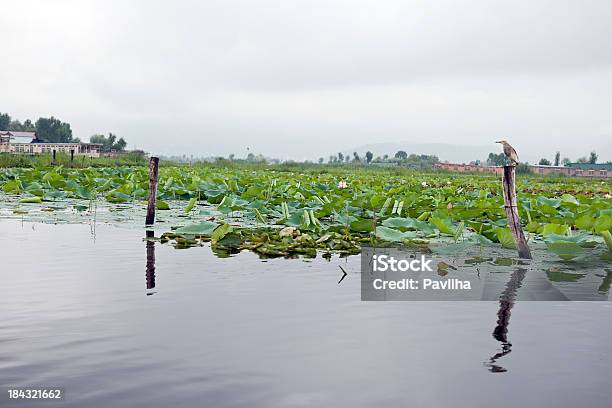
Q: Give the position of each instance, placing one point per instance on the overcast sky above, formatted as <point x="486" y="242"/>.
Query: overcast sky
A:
<point x="304" y="79"/>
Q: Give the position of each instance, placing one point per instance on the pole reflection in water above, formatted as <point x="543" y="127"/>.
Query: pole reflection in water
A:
<point x="150" y="269"/>
<point x="500" y="333"/>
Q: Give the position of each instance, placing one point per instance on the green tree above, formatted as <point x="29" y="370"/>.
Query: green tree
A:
<point x="497" y="159"/>
<point x="120" y="144"/>
<point x="402" y="155"/>
<point x="109" y="143"/>
<point x="5" y="121"/>
<point x="565" y="161"/>
<point x="356" y="157"/>
<point x="53" y="130"/>
<point x="340" y="157"/>
<point x="99" y="139"/>
<point x="16" y="126"/>
<point x="544" y="162"/>
<point x="369" y="156"/>
<point x="28" y="126"/>
<point x="582" y="160"/>
<point x="523" y="168"/>
<point x="593" y="157"/>
<point x="557" y="158"/>
<point x="421" y="161"/>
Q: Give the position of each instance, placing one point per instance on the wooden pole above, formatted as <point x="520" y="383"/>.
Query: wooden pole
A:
<point x="153" y="166"/>
<point x="71" y="157"/>
<point x="54" y="157"/>
<point x="514" y="222"/>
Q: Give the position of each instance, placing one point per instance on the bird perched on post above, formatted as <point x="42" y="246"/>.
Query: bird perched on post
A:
<point x="509" y="152"/>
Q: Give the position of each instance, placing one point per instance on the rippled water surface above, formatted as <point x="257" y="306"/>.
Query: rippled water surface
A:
<point x="80" y="311"/>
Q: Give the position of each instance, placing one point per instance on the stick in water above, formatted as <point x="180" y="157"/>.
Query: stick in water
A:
<point x="514" y="222"/>
<point x="153" y="165"/>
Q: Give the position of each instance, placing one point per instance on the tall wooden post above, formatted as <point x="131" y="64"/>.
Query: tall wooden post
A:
<point x="54" y="157"/>
<point x="153" y="167"/>
<point x="514" y="222"/>
<point x="71" y="157"/>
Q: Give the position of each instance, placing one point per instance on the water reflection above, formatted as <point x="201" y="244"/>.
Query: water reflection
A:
<point x="500" y="333"/>
<point x="604" y="288"/>
<point x="150" y="269"/>
<point x="90" y="333"/>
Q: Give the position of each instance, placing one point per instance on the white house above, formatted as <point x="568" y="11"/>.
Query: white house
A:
<point x="27" y="143"/>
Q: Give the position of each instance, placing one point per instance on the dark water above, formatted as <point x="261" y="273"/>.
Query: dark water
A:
<point x="75" y="312"/>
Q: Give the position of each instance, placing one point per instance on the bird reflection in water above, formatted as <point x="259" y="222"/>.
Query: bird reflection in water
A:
<point x="150" y="270"/>
<point x="500" y="333"/>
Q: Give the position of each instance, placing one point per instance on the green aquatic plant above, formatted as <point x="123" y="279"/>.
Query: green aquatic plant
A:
<point x="357" y="204"/>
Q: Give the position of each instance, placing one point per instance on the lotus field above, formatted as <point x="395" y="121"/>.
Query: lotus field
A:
<point x="305" y="210"/>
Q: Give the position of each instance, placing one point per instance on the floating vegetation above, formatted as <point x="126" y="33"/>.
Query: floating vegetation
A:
<point x="267" y="242"/>
<point x="284" y="213"/>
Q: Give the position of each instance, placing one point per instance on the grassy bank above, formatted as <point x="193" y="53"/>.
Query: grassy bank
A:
<point x="8" y="160"/>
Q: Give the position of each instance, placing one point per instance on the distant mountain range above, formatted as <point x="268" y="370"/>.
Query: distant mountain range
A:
<point x="445" y="152"/>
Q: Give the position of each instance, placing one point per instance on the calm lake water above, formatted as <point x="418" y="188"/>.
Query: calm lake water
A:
<point x="78" y="310"/>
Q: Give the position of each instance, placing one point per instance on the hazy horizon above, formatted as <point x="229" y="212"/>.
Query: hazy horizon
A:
<point x="306" y="79"/>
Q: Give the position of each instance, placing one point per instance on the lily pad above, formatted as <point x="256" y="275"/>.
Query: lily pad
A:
<point x="203" y="228"/>
<point x="566" y="250"/>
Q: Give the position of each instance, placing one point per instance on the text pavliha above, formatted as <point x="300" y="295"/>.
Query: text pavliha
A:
<point x="421" y="284"/>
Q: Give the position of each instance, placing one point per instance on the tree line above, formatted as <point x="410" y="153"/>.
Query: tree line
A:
<point x="592" y="159"/>
<point x="501" y="160"/>
<point x="47" y="129"/>
<point x="53" y="130"/>
<point x="400" y="157"/>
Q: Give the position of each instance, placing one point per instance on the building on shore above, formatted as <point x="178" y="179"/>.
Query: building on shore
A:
<point x="27" y="143"/>
<point x="469" y="168"/>
<point x="601" y="170"/>
<point x="598" y="170"/>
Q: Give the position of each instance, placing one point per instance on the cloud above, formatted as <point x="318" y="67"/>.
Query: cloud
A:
<point x="297" y="78"/>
